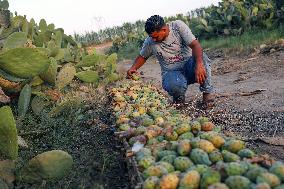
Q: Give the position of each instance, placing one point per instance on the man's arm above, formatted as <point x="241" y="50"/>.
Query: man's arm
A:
<point x="200" y="72"/>
<point x="139" y="61"/>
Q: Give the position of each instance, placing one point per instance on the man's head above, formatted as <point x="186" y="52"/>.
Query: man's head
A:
<point x="156" y="28"/>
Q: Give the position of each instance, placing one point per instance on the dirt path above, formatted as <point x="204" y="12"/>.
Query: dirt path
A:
<point x="249" y="98"/>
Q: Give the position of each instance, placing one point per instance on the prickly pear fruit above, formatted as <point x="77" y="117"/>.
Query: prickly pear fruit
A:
<point x="234" y="145"/>
<point x="215" y="156"/>
<point x="235" y="168"/>
<point x="205" y="145"/>
<point x="254" y="172"/>
<point x="183" y="147"/>
<point x="202" y="120"/>
<point x="280" y="187"/>
<point x="168" y="181"/>
<point x="268" y="178"/>
<point x="171" y="136"/>
<point x="169" y="158"/>
<point x="238" y="182"/>
<point x="146" y="162"/>
<point x="190" y="180"/>
<point x="199" y="156"/>
<point x="150" y="182"/>
<point x="200" y="168"/>
<point x="262" y="186"/>
<point x="278" y="169"/>
<point x="182" y="163"/>
<point x="187" y="135"/>
<point x="172" y="145"/>
<point x="218" y="186"/>
<point x="154" y="170"/>
<point x="208" y="178"/>
<point x="183" y="128"/>
<point x="207" y="126"/>
<point x="195" y="127"/>
<point x="169" y="167"/>
<point x="246" y="153"/>
<point x="142" y="153"/>
<point x="163" y="153"/>
<point x="229" y="156"/>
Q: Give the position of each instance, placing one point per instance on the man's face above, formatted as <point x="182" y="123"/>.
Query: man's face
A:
<point x="159" y="36"/>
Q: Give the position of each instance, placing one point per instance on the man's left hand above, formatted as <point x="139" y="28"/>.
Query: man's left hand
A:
<point x="200" y="73"/>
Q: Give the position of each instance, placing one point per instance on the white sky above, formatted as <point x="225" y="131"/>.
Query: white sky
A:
<point x="92" y="15"/>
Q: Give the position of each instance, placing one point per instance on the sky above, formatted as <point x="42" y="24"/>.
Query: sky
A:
<point x="92" y="15"/>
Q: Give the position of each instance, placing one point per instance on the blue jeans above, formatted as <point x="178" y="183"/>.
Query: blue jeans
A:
<point x="176" y="82"/>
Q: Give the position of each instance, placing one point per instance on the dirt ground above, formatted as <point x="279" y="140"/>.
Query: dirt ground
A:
<point x="249" y="102"/>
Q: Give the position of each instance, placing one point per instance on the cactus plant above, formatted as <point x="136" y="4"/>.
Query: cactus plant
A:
<point x="8" y="134"/>
<point x="24" y="62"/>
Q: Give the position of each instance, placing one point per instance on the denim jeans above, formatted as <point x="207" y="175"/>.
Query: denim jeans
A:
<point x="176" y="82"/>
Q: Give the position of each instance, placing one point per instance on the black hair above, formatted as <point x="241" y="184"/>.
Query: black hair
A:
<point x="154" y="23"/>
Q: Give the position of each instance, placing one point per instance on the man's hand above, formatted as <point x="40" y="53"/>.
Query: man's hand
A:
<point x="130" y="72"/>
<point x="200" y="73"/>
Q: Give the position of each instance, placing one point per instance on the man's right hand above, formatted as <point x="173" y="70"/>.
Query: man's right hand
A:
<point x="130" y="72"/>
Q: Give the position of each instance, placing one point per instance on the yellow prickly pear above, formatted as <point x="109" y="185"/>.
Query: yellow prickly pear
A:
<point x="168" y="181"/>
<point x="190" y="180"/>
<point x="150" y="182"/>
<point x="183" y="147"/>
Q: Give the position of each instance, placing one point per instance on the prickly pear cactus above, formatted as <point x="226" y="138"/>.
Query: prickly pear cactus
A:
<point x="50" y="74"/>
<point x="65" y="76"/>
<point x="150" y="182"/>
<point x="15" y="40"/>
<point x="88" y="76"/>
<point x="24" y="100"/>
<point x="169" y="181"/>
<point x="8" y="134"/>
<point x="24" y="62"/>
<point x="50" y="166"/>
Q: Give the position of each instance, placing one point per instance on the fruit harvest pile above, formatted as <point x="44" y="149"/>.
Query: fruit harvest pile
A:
<point x="174" y="151"/>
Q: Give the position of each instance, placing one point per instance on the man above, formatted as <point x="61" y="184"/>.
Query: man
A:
<point x="180" y="57"/>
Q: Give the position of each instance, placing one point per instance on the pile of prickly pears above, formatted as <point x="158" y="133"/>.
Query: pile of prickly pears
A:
<point x="180" y="152"/>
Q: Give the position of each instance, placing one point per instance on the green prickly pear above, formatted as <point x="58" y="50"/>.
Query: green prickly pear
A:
<point x="246" y="153"/>
<point x="229" y="156"/>
<point x="170" y="168"/>
<point x="184" y="147"/>
<point x="235" y="168"/>
<point x="218" y="186"/>
<point x="182" y="163"/>
<point x="187" y="135"/>
<point x="278" y="169"/>
<point x="150" y="182"/>
<point x="168" y="181"/>
<point x="238" y="182"/>
<point x="234" y="145"/>
<point x="268" y="178"/>
<point x="199" y="156"/>
<point x="215" y="156"/>
<point x="208" y="178"/>
<point x="195" y="127"/>
<point x="190" y="180"/>
<point x="154" y="170"/>
<point x="146" y="162"/>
